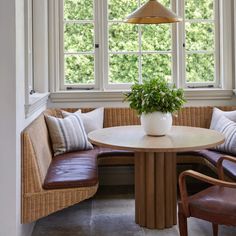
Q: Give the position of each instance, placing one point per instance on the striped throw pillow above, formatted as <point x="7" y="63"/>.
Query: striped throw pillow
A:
<point x="67" y="134"/>
<point x="92" y="120"/>
<point x="228" y="128"/>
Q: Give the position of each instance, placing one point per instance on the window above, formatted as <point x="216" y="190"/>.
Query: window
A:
<point x="135" y="51"/>
<point x="99" y="51"/>
<point x="29" y="47"/>
<point x="36" y="56"/>
<point x="78" y="43"/>
<point x="200" y="42"/>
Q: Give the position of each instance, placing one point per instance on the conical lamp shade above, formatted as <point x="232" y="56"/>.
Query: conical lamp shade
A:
<point x="152" y="12"/>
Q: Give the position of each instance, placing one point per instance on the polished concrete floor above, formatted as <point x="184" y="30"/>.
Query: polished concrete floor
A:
<point x="111" y="213"/>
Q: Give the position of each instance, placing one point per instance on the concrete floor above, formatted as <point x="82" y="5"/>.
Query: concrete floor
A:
<point x="111" y="213"/>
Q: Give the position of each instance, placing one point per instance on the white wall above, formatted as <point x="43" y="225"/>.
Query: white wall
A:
<point x="12" y="119"/>
<point x="7" y="124"/>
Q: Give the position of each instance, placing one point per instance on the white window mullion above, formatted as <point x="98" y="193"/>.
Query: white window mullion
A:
<point x="140" y="51"/>
<point x="98" y="47"/>
<point x="61" y="45"/>
<point x="140" y="54"/>
<point x="105" y="28"/>
<point x="54" y="45"/>
<point x="181" y="46"/>
<point x="174" y="55"/>
<point x="225" y="43"/>
<point x="28" y="50"/>
<point x="217" y="43"/>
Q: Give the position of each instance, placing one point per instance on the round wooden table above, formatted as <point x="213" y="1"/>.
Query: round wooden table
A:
<point x="155" y="166"/>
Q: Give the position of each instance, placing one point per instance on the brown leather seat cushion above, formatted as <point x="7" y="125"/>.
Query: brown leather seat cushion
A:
<point x="213" y="156"/>
<point x="72" y="170"/>
<point x="78" y="169"/>
<point x="213" y="203"/>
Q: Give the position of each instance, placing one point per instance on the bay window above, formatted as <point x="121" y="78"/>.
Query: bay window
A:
<point x="97" y="50"/>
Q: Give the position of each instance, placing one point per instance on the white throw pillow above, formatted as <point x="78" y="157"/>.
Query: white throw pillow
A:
<point x="92" y="120"/>
<point x="222" y="123"/>
<point x="67" y="134"/>
<point x="217" y="114"/>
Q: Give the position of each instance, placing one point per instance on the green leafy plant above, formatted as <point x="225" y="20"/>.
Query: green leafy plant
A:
<point x="155" y="95"/>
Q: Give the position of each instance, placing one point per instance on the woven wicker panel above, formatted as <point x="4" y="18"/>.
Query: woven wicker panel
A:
<point x="197" y="116"/>
<point x="193" y="116"/>
<point x="120" y="116"/>
<point x="31" y="179"/>
<point x="40" y="204"/>
<point x="40" y="142"/>
<point x="112" y="116"/>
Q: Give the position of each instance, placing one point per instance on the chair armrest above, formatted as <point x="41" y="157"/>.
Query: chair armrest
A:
<point x="219" y="165"/>
<point x="201" y="177"/>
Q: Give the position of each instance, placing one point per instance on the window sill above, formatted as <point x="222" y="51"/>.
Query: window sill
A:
<point x="36" y="101"/>
<point x="117" y="96"/>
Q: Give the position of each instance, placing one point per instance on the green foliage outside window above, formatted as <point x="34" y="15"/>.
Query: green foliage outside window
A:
<point x="156" y="59"/>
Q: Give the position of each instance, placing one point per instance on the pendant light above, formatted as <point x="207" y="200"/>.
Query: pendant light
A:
<point x="152" y="12"/>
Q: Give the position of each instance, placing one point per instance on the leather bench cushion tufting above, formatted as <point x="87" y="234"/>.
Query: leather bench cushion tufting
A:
<point x="72" y="170"/>
<point x="213" y="156"/>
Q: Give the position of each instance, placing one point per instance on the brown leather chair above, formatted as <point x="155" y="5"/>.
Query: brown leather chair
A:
<point x="216" y="204"/>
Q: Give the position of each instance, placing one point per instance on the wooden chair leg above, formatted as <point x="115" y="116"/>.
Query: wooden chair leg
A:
<point x="215" y="229"/>
<point x="183" y="227"/>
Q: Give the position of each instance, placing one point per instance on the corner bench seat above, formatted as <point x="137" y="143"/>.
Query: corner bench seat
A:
<point x="211" y="157"/>
<point x="50" y="184"/>
<point x="77" y="169"/>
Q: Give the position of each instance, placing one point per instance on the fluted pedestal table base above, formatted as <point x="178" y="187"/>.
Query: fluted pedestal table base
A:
<point x="155" y="189"/>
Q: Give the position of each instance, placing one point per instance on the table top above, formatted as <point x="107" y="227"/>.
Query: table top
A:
<point x="179" y="139"/>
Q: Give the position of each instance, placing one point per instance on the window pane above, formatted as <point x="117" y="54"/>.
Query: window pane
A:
<point x="79" y="69"/>
<point x="123" y="37"/>
<point x="200" y="36"/>
<point x="156" y="37"/>
<point x="199" y="9"/>
<point x="123" y="68"/>
<point x="200" y="68"/>
<point x="78" y="37"/>
<point x="120" y="9"/>
<point x="156" y="65"/>
<point x="78" y="9"/>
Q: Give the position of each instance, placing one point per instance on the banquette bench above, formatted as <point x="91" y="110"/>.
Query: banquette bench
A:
<point x="53" y="183"/>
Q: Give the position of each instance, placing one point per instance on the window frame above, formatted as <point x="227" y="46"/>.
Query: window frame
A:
<point x="95" y="53"/>
<point x="182" y="49"/>
<point x="225" y="52"/>
<point x="139" y="53"/>
<point x="36" y="56"/>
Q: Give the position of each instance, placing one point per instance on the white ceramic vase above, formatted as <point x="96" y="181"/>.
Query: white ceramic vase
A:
<point x="156" y="123"/>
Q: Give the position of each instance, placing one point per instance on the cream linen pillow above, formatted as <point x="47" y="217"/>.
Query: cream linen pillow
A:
<point x="67" y="134"/>
<point x="217" y="114"/>
<point x="225" y="124"/>
<point x="91" y="120"/>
